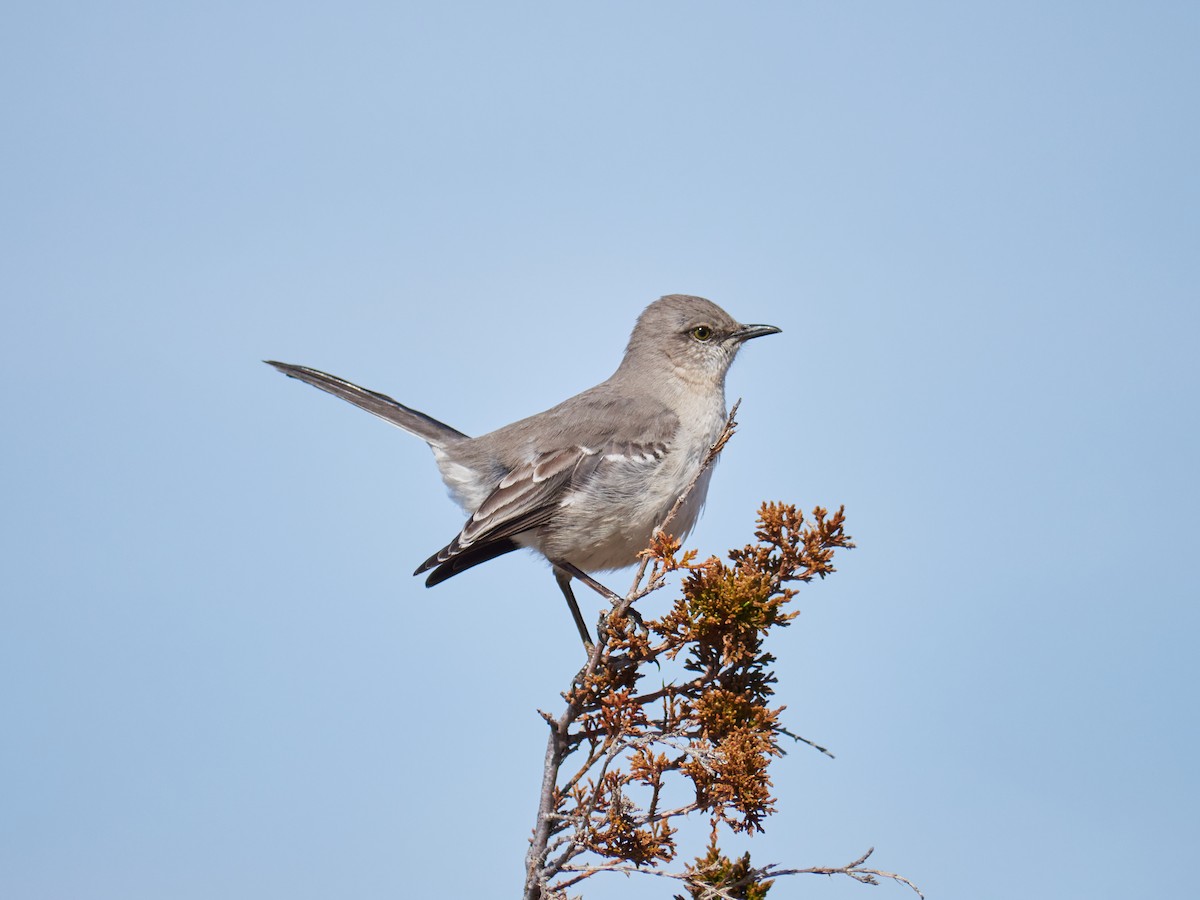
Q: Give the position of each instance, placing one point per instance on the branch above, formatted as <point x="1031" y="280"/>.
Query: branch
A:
<point x="779" y="729"/>
<point x="853" y="870"/>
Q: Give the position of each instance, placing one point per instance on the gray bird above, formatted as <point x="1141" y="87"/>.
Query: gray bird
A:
<point x="586" y="482"/>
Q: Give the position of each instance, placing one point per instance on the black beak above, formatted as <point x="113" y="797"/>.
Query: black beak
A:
<point x="746" y="332"/>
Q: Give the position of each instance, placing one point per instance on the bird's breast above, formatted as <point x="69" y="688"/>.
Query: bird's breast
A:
<point x="605" y="522"/>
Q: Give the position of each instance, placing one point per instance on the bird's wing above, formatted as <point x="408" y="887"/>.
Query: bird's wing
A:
<point x="531" y="494"/>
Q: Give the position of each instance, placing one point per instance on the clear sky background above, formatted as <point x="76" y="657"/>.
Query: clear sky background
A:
<point x="977" y="225"/>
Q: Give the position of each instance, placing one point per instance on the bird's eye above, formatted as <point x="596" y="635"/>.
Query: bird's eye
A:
<point x="702" y="332"/>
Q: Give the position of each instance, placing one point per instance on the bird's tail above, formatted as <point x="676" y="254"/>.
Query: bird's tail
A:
<point x="430" y="430"/>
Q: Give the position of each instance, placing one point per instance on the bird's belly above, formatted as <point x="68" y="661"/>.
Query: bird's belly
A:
<point x="605" y="526"/>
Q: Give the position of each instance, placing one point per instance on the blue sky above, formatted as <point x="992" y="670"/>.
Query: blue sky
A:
<point x="977" y="225"/>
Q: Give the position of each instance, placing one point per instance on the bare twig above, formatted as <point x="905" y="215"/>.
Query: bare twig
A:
<point x="853" y="870"/>
<point x="779" y="729"/>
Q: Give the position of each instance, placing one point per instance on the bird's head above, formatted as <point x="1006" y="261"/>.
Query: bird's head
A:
<point x="689" y="337"/>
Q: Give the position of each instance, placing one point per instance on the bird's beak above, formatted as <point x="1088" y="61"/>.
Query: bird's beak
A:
<point x="746" y="332"/>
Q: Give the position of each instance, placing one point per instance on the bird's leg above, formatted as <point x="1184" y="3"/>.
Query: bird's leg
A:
<point x="587" y="579"/>
<point x="564" y="583"/>
<point x="564" y="571"/>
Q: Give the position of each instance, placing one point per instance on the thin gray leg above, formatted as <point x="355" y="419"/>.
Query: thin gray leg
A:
<point x="588" y="580"/>
<point x="564" y="583"/>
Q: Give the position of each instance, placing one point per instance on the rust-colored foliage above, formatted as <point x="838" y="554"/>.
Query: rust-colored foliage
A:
<point x="618" y="832"/>
<point x="733" y="878"/>
<point x="706" y="737"/>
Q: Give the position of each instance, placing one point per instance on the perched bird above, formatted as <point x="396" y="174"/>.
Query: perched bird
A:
<point x="586" y="482"/>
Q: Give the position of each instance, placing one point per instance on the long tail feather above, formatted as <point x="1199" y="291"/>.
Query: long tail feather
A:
<point x="429" y="429"/>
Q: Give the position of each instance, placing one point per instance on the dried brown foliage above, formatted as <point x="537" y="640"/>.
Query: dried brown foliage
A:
<point x="628" y="762"/>
<point x="715" y="872"/>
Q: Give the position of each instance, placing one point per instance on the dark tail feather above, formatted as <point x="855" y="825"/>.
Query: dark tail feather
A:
<point x="429" y="429"/>
<point x="460" y="562"/>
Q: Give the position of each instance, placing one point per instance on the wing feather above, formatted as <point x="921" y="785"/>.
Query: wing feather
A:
<point x="530" y="495"/>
